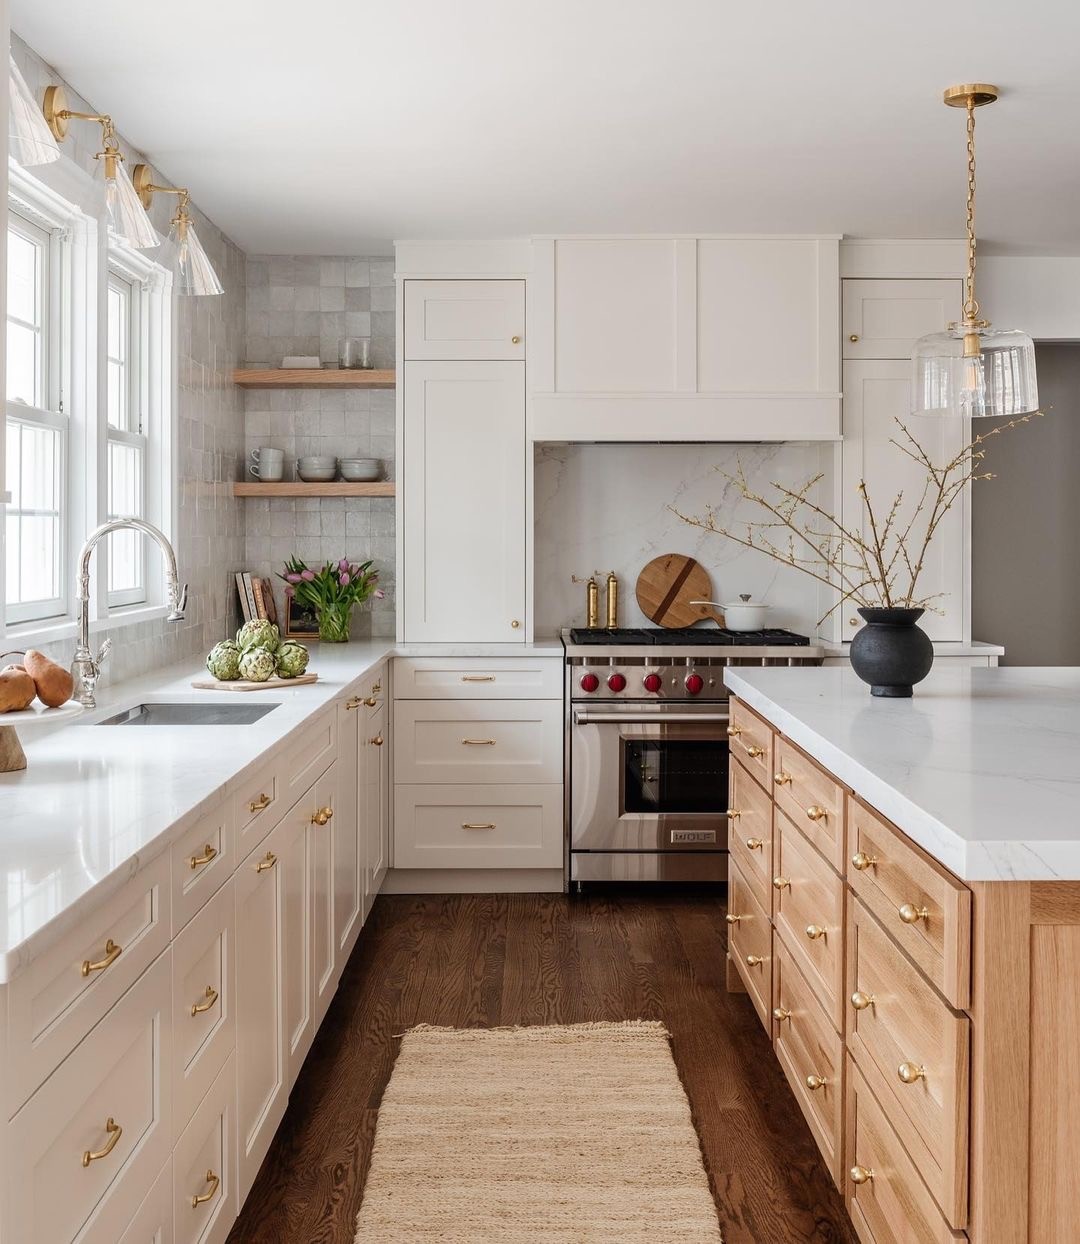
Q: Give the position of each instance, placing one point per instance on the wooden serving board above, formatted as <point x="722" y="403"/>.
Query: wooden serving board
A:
<point x="666" y="587"/>
<point x="240" y="684"/>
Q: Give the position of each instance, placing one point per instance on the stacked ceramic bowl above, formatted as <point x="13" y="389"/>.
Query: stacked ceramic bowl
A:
<point x="360" y="470"/>
<point x="317" y="468"/>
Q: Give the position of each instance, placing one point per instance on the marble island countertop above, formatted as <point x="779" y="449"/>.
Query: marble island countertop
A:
<point x="981" y="767"/>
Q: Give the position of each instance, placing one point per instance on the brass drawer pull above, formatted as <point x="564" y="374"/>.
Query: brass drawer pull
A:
<point x="754" y="844"/>
<point x="860" y="861"/>
<point x="322" y="817"/>
<point x="813" y="1082"/>
<point x="780" y="1014"/>
<point x="112" y="952"/>
<point x="262" y="803"/>
<point x="478" y="825"/>
<point x="754" y="752"/>
<point x="376" y="687"/>
<point x="733" y="732"/>
<point x="477" y="677"/>
<point x="268" y="861"/>
<point x="733" y="814"/>
<point x="780" y="883"/>
<point x="732" y="919"/>
<point x="210" y="997"/>
<point x="861" y="1175"/>
<point x="355" y="702"/>
<point x="814" y="931"/>
<point x="478" y="742"/>
<point x="817" y="813"/>
<point x="754" y="961"/>
<point x="197" y="861"/>
<point x="214" y="1183"/>
<point x="782" y="778"/>
<point x="911" y="1073"/>
<point x="862" y="1001"/>
<point x="910" y="914"/>
<point x="377" y="741"/>
<point x="115" y="1131"/>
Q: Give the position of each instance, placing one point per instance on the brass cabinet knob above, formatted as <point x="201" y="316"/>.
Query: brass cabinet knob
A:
<point x="754" y="844"/>
<point x="813" y="1082"/>
<point x="114" y="1131"/>
<point x="910" y="1073"/>
<point x="854" y="337"/>
<point x="853" y="622"/>
<point x="755" y="751"/>
<point x="753" y="961"/>
<point x="814" y="931"/>
<point x="860" y="861"/>
<point x="910" y="914"/>
<point x="733" y="732"/>
<point x="861" y="1001"/>
<point x="861" y="1175"/>
<point x="816" y="813"/>
<point x="370" y="702"/>
<point x="733" y="814"/>
<point x="515" y="341"/>
<point x="377" y="741"/>
<point x="514" y="624"/>
<point x="781" y="778"/>
<point x="112" y="952"/>
<point x="732" y="919"/>
<point x="214" y="1183"/>
<point x="780" y="1014"/>
<point x="322" y="817"/>
<point x="780" y="883"/>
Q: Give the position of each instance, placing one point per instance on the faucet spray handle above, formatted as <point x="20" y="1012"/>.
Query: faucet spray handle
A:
<point x="181" y="603"/>
<point x="103" y="653"/>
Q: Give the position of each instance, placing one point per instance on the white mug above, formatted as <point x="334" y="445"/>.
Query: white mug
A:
<point x="268" y="464"/>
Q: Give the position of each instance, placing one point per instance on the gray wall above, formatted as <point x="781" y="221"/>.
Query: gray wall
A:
<point x="1025" y="568"/>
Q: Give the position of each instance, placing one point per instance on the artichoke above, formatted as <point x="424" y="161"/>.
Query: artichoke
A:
<point x="259" y="633"/>
<point x="223" y="660"/>
<point x="257" y="664"/>
<point x="292" y="659"/>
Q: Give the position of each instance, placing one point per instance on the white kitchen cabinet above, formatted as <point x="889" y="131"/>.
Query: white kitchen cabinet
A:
<point x="376" y="753"/>
<point x="153" y="1221"/>
<point x="464" y="502"/>
<point x="324" y="834"/>
<point x="464" y="320"/>
<point x="349" y="831"/>
<point x="297" y="865"/>
<point x="204" y="1191"/>
<point x="884" y="318"/>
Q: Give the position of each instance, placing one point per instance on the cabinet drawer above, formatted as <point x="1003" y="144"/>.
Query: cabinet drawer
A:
<point x="923" y="908"/>
<point x="203" y="858"/>
<point x="808" y="905"/>
<point x="258" y="805"/>
<point x="204" y="1022"/>
<point x="478" y="827"/>
<point x="891" y="1205"/>
<point x="896" y="1022"/>
<point x="750" y="942"/>
<point x="811" y="1054"/>
<point x="204" y="1187"/>
<point x="751" y="741"/>
<point x="55" y="1002"/>
<point x="464" y="319"/>
<point x="750" y="816"/>
<point x="153" y="1223"/>
<point x="111" y="1097"/>
<point x="307" y="758"/>
<point x="490" y="678"/>
<point x="513" y="741"/>
<point x="812" y="798"/>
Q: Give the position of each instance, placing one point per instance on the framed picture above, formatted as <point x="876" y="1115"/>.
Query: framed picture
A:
<point x="300" y="620"/>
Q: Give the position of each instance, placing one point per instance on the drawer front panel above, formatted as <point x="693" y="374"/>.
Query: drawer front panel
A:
<point x="750" y="832"/>
<point x="924" y="909"/>
<point x="898" y="1024"/>
<point x="258" y="806"/>
<point x="478" y="826"/>
<point x="750" y="942"/>
<point x="55" y="1002"/>
<point x="752" y="742"/>
<point x="204" y="1191"/>
<point x="153" y="1221"/>
<point x="892" y="1204"/>
<point x="490" y="678"/>
<point x="111" y="1098"/>
<point x="308" y="758"/>
<point x="203" y="859"/>
<point x="204" y="1018"/>
<point x="811" y="1054"/>
<point x="460" y="319"/>
<point x="808" y="904"/>
<point x="501" y="743"/>
<point x="813" y="800"/>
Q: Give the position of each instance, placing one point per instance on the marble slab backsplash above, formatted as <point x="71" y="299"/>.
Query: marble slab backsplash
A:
<point x="605" y="507"/>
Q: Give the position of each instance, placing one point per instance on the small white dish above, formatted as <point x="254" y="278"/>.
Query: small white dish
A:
<point x="317" y="475"/>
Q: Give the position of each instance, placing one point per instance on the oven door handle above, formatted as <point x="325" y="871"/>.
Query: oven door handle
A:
<point x="583" y="717"/>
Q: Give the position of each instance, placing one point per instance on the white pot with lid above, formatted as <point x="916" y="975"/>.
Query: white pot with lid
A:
<point x="743" y="614"/>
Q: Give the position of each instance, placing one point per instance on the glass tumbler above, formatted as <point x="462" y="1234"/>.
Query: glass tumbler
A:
<point x="354" y="352"/>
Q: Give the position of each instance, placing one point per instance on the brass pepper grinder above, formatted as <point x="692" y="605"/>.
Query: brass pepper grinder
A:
<point x="612" y="600"/>
<point x="592" y="598"/>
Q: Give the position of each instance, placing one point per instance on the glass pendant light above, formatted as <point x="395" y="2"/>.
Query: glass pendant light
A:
<point x="972" y="370"/>
<point x="193" y="273"/>
<point x="29" y="139"/>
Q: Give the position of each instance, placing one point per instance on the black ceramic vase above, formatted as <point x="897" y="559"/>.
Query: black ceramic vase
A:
<point x="891" y="652"/>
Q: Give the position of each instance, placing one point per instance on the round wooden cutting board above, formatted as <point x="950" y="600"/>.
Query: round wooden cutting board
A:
<point x="666" y="587"/>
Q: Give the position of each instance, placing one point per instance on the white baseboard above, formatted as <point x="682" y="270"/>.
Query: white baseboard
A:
<point x="473" y="881"/>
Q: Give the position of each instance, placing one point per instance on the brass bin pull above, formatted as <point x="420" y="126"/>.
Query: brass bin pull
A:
<point x="260" y="804"/>
<point x="477" y="677"/>
<point x="112" y="952"/>
<point x="197" y="861"/>
<point x="268" y="861"/>
<point x="478" y="825"/>
<point x="211" y="996"/>
<point x="323" y="816"/>
<point x="115" y="1131"/>
<point x="478" y="742"/>
<point x="214" y="1183"/>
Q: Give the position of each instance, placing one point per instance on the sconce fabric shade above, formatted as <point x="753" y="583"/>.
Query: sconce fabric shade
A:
<point x="996" y="380"/>
<point x="30" y="140"/>
<point x="193" y="273"/>
<point x="127" y="217"/>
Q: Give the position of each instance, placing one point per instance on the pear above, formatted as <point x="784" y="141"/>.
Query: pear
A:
<point x="54" y="684"/>
<point x="17" y="689"/>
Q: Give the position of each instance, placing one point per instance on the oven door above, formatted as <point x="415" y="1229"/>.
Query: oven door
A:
<point x="645" y="779"/>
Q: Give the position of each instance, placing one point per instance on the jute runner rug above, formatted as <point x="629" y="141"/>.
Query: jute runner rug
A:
<point x="551" y="1135"/>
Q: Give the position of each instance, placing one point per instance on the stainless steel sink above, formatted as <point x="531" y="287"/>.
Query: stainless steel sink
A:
<point x="180" y="714"/>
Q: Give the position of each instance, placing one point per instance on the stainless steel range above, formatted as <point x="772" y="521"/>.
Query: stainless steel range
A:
<point x="647" y="747"/>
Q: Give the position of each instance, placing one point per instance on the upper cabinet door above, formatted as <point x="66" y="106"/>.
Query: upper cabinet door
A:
<point x="884" y="319"/>
<point x="464" y="320"/>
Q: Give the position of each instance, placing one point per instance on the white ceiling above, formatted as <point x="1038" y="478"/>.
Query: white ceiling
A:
<point x="333" y="126"/>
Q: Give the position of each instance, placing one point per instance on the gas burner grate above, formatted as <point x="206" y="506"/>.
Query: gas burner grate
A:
<point x="685" y="637"/>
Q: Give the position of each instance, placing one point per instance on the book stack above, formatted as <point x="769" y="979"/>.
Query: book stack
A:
<point x="256" y="597"/>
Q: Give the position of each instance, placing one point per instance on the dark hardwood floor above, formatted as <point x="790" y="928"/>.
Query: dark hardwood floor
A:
<point x="535" y="959"/>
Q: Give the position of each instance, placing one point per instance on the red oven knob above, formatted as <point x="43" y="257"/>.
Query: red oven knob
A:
<point x="653" y="682"/>
<point x="694" y="683"/>
<point x="616" y="682"/>
<point x="589" y="682"/>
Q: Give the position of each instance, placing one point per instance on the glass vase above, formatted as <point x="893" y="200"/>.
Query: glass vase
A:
<point x="334" y="623"/>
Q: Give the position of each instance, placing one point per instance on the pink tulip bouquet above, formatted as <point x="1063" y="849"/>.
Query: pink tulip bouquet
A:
<point x="331" y="592"/>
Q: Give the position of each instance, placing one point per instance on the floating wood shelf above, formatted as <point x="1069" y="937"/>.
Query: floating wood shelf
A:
<point x="312" y="378"/>
<point x="298" y="488"/>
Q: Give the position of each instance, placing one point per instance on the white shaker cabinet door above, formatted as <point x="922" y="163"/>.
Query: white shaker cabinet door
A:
<point x="464" y="504"/>
<point x="349" y="831"/>
<point x="883" y="319"/>
<point x="326" y="966"/>
<point x="876" y="394"/>
<point x="377" y="788"/>
<point x="464" y="319"/>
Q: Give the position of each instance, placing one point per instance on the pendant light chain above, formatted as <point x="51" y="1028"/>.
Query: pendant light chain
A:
<point x="971" y="307"/>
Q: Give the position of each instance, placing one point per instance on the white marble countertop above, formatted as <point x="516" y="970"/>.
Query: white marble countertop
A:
<point x="981" y="767"/>
<point x="942" y="648"/>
